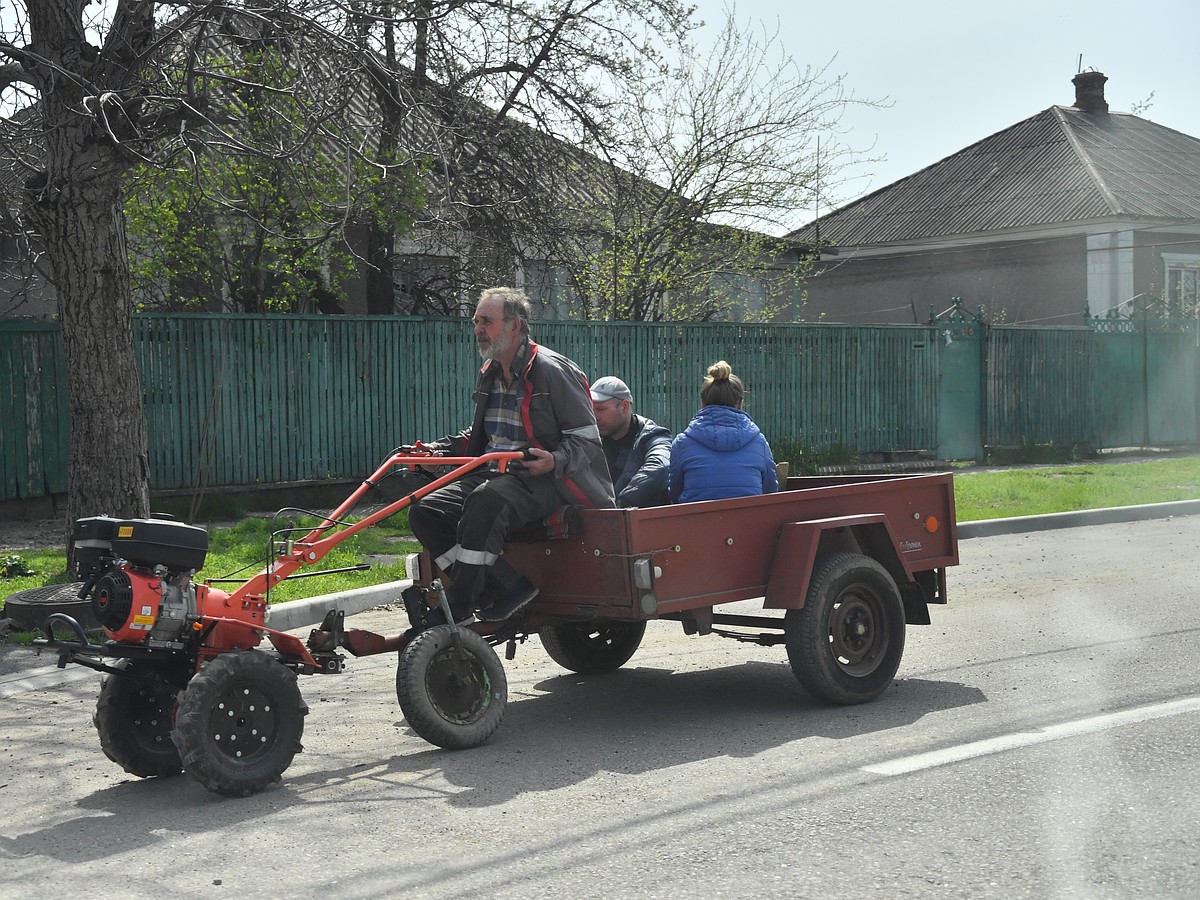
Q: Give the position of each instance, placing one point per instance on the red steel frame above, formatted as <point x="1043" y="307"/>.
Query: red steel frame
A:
<point x="244" y="626"/>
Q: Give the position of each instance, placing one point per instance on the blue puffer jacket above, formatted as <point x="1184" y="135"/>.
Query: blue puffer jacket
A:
<point x="721" y="454"/>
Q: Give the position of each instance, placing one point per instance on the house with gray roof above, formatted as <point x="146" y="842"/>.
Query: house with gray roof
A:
<point x="1075" y="211"/>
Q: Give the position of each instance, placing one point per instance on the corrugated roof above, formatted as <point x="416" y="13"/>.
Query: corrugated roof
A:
<point x="1062" y="165"/>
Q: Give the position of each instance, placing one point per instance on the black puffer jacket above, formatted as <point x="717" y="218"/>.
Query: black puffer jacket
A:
<point x="642" y="480"/>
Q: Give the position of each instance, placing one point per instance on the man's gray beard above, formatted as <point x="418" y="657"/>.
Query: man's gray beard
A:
<point x="496" y="348"/>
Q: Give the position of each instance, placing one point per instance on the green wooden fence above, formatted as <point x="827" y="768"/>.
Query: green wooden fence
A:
<point x="258" y="400"/>
<point x="1039" y="387"/>
<point x="33" y="410"/>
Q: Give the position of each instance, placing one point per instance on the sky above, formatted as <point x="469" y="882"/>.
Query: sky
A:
<point x="957" y="72"/>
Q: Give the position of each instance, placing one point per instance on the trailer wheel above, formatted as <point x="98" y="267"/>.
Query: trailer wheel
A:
<point x="451" y="700"/>
<point x="590" y="648"/>
<point x="133" y="717"/>
<point x="239" y="723"/>
<point x="845" y="643"/>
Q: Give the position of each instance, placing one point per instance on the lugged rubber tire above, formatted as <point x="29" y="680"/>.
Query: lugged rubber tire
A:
<point x="590" y="648"/>
<point x="845" y="643"/>
<point x="239" y="722"/>
<point x="451" y="702"/>
<point x="134" y="715"/>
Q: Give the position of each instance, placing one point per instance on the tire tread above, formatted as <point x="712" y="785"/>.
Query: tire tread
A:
<point x="208" y="765"/>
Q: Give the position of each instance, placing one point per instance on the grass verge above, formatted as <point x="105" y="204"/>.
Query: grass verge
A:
<point x="1039" y="491"/>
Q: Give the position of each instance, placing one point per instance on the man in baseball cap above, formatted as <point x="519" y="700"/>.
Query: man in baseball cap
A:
<point x="637" y="450"/>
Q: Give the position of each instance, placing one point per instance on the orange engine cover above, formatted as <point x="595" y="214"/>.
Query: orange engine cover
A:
<point x="126" y="603"/>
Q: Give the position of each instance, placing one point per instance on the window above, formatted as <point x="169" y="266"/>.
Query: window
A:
<point x="1183" y="283"/>
<point x="548" y="287"/>
<point x="740" y="297"/>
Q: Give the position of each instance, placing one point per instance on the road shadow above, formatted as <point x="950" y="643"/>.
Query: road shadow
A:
<point x="138" y="814"/>
<point x="629" y="722"/>
<point x="639" y="720"/>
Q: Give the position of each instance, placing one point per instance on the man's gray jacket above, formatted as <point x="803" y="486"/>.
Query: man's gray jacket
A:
<point x="557" y="413"/>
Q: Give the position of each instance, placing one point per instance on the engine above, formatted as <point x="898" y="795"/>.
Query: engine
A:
<point x="138" y="575"/>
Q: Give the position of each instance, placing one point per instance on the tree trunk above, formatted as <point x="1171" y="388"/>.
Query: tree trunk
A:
<point x="109" y="462"/>
<point x="78" y="211"/>
<point x="381" y="240"/>
<point x="380" y="278"/>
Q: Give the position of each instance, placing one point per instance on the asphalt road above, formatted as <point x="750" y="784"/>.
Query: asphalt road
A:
<point x="1041" y="740"/>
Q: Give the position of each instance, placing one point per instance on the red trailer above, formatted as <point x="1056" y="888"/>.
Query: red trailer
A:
<point x="841" y="564"/>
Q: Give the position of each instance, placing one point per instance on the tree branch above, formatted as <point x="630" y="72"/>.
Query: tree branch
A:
<point x="14" y="73"/>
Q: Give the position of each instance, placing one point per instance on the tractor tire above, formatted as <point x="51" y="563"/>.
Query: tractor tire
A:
<point x="134" y="714"/>
<point x="845" y="643"/>
<point x="590" y="648"/>
<point x="239" y="722"/>
<point x="451" y="702"/>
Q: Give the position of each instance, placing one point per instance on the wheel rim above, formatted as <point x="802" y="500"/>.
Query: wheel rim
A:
<point x="244" y="722"/>
<point x="857" y="637"/>
<point x="150" y="713"/>
<point x="459" y="689"/>
<point x="600" y="636"/>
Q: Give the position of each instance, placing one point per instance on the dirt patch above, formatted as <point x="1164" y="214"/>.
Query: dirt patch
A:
<point x="34" y="534"/>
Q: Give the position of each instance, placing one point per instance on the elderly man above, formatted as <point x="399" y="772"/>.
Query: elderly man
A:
<point x="637" y="450"/>
<point x="527" y="398"/>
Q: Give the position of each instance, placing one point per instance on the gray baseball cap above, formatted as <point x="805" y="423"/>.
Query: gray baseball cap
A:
<point x="610" y="387"/>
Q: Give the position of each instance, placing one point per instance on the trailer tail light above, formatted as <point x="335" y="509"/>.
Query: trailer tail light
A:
<point x="931" y="524"/>
<point x="644" y="573"/>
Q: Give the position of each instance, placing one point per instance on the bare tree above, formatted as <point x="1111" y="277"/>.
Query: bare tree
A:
<point x="738" y="142"/>
<point x="507" y="104"/>
<point x="499" y="97"/>
<point x="91" y="93"/>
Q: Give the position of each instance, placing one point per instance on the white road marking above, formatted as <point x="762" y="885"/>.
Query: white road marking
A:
<point x="1005" y="742"/>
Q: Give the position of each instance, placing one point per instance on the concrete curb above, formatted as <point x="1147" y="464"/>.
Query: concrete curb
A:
<point x="1109" y="516"/>
<point x="311" y="610"/>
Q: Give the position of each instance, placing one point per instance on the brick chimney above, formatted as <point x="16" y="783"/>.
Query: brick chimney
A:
<point x="1089" y="92"/>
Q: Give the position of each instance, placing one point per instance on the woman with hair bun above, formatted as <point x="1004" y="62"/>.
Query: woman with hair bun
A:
<point x="721" y="453"/>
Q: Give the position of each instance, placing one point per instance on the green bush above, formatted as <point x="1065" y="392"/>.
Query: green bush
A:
<point x="14" y="567"/>
<point x="806" y="460"/>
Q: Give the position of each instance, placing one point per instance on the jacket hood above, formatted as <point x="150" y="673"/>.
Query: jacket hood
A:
<point x="722" y="428"/>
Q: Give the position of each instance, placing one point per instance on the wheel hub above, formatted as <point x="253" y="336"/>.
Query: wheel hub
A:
<point x="857" y="642"/>
<point x="243" y="722"/>
<point x="151" y="719"/>
<point x="458" y="687"/>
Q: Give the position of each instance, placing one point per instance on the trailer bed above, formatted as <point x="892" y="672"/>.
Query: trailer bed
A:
<point x="633" y="564"/>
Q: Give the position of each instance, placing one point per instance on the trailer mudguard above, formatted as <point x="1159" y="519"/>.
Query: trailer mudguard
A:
<point x="800" y="543"/>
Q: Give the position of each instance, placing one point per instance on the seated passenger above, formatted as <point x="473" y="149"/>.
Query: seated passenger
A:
<point x="721" y="453"/>
<point x="637" y="450"/>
